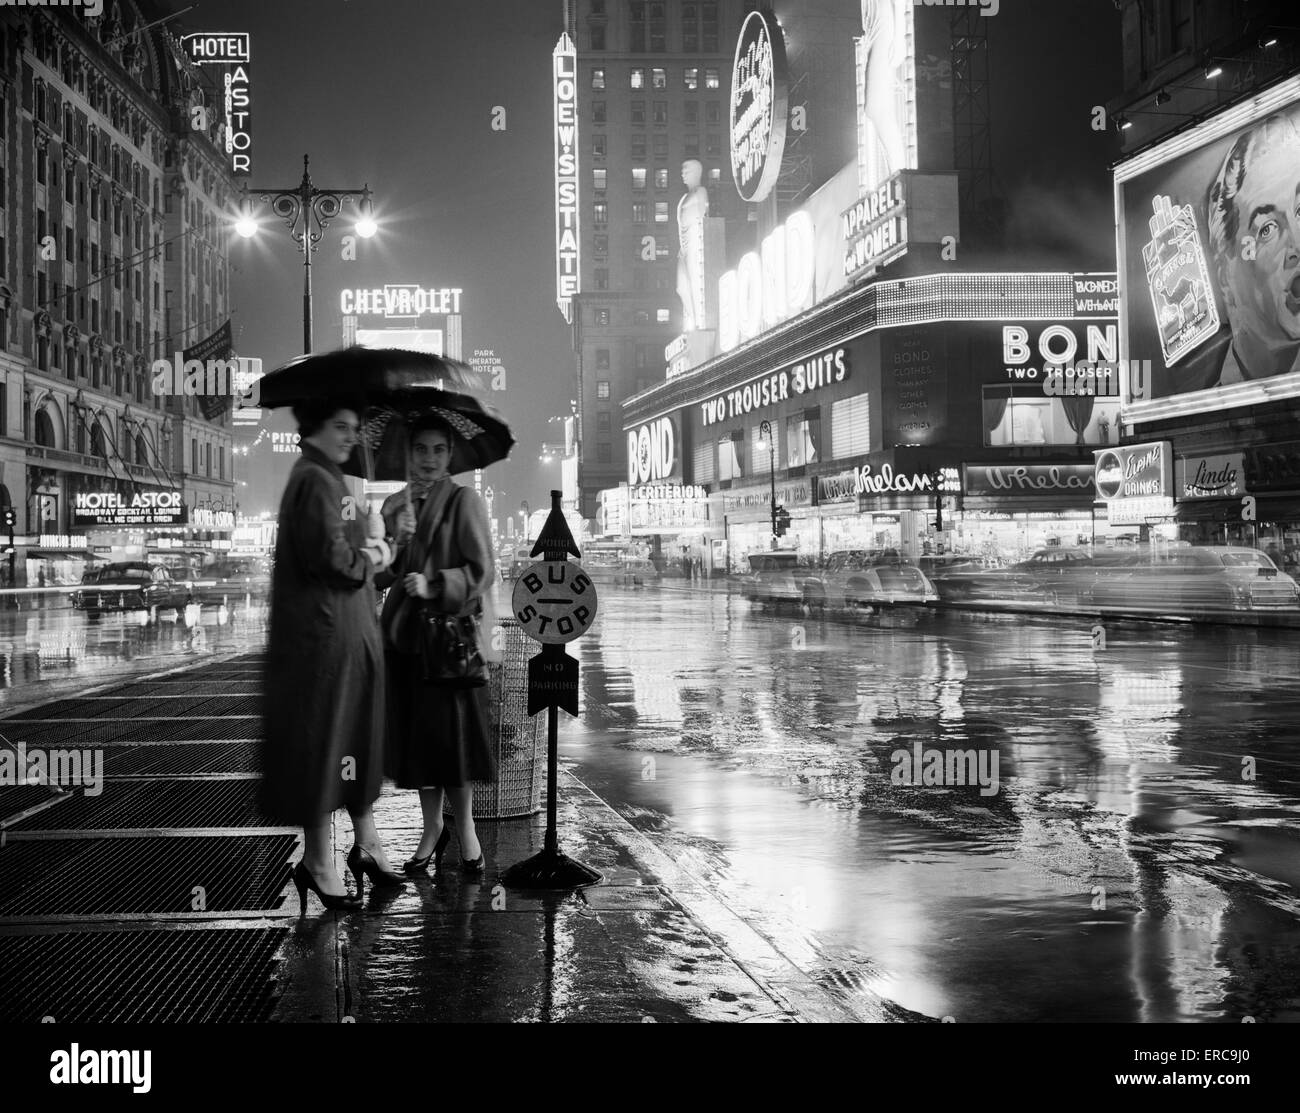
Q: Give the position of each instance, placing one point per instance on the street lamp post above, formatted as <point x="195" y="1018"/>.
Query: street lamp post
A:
<point x="308" y="212"/>
<point x="765" y="433"/>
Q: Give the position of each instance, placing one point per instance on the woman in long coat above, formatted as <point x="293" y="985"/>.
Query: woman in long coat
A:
<point x="324" y="684"/>
<point x="438" y="737"/>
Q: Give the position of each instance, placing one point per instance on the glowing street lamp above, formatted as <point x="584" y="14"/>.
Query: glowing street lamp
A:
<point x="307" y="211"/>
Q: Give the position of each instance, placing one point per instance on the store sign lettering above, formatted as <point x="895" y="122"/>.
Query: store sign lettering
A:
<point x="1208" y="477"/>
<point x="863" y="481"/>
<point x="758" y="107"/>
<point x="565" y="75"/>
<point x="800" y="379"/>
<point x="651" y="451"/>
<point x="875" y="229"/>
<point x="1136" y="471"/>
<point x="1028" y="479"/>
<point x="400" y="300"/>
<point x="766" y="289"/>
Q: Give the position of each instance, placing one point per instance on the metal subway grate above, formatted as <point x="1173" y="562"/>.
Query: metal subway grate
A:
<point x="104" y="877"/>
<point x="156" y="805"/>
<point x="17" y="798"/>
<point x="124" y="733"/>
<point x="185" y="760"/>
<point x="199" y="688"/>
<point x="134" y="708"/>
<point x="218" y="975"/>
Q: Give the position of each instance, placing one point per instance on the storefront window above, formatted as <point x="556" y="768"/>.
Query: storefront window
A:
<point x="1024" y="420"/>
<point x="802" y="440"/>
<point x="729" y="465"/>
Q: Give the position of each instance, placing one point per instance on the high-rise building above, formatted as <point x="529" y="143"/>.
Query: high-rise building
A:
<point x="652" y="82"/>
<point x="115" y="190"/>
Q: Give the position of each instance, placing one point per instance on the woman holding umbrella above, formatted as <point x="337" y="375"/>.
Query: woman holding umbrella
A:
<point x="324" y="685"/>
<point x="438" y="737"/>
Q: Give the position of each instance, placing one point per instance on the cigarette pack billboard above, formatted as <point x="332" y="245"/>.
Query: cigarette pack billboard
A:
<point x="1209" y="253"/>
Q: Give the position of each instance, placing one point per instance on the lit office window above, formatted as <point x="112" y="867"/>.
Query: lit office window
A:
<point x="638" y="77"/>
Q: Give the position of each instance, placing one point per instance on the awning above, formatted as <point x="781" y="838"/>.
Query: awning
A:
<point x="69" y="554"/>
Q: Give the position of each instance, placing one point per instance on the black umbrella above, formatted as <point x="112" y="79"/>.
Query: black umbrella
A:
<point x="482" y="435"/>
<point x="391" y="386"/>
<point x="362" y="376"/>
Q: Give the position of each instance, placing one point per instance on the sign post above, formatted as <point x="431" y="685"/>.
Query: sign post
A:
<point x="554" y="602"/>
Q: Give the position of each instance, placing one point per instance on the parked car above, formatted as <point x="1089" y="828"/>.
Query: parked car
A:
<point x="129" y="586"/>
<point x="1196" y="579"/>
<point x="231" y="579"/>
<point x="868" y="578"/>
<point x="774" y="577"/>
<point x="971" y="581"/>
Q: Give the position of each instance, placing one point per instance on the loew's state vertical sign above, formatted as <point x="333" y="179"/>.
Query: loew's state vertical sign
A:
<point x="565" y="69"/>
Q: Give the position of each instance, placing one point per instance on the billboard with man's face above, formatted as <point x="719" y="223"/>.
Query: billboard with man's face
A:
<point x="1210" y="258"/>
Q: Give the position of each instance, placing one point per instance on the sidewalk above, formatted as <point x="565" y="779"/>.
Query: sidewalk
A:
<point x="645" y="944"/>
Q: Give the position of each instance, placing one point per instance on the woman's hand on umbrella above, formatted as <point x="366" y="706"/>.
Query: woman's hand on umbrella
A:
<point x="405" y="528"/>
<point x="417" y="585"/>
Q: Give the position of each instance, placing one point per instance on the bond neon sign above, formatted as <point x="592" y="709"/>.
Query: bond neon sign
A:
<point x="758" y="106"/>
<point x="565" y="69"/>
<point x="765" y="289"/>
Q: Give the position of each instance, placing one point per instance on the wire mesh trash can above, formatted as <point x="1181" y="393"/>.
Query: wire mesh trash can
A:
<point x="516" y="737"/>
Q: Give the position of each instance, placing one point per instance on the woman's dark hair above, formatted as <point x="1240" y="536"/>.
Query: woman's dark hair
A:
<point x="432" y="423"/>
<point x="311" y="415"/>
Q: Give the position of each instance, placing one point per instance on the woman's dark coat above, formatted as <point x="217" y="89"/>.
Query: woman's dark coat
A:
<point x="437" y="736"/>
<point x="324" y="687"/>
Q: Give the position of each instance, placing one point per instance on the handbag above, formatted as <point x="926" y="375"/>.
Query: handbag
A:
<point x="451" y="650"/>
<point x="450" y="646"/>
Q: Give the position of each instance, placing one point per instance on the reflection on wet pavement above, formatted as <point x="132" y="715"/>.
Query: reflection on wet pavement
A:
<point x="1137" y="861"/>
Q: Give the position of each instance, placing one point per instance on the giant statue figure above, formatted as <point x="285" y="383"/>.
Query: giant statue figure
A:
<point x="691" y="211"/>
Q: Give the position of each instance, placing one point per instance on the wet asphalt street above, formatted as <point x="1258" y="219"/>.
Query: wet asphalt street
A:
<point x="1135" y="858"/>
<point x="1138" y="861"/>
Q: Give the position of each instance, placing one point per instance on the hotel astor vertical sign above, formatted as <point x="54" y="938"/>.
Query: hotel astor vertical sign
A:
<point x="565" y="61"/>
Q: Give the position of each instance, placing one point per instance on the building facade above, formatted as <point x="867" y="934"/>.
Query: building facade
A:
<point x="1209" y="259"/>
<point x="652" y="83"/>
<point x="114" y="197"/>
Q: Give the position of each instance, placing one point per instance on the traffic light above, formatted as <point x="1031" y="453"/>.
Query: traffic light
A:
<point x="10" y="519"/>
<point x="782" y="521"/>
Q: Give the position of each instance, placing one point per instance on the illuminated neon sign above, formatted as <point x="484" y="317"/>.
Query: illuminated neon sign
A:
<point x="766" y="289"/>
<point x="400" y="300"/>
<point x="565" y="69"/>
<point x="758" y="106"/>
<point x="228" y="49"/>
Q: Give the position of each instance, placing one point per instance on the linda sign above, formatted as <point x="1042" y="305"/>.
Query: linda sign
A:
<point x="1212" y="477"/>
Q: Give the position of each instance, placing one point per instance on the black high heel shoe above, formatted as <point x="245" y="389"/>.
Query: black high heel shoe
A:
<point x="474" y="867"/>
<point x="303" y="881"/>
<point x="420" y="865"/>
<point x="362" y="864"/>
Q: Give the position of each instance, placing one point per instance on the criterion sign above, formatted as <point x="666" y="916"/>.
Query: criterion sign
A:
<point x="554" y="601"/>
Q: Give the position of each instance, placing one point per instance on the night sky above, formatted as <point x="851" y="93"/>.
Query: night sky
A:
<point x="400" y="94"/>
